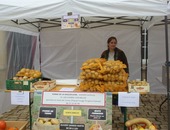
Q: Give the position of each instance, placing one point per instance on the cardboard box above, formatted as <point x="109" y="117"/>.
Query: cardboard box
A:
<point x="21" y="125"/>
<point x="45" y="85"/>
<point x="132" y="88"/>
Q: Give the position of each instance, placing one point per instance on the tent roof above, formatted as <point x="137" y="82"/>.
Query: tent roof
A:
<point x="27" y="9"/>
<point x="94" y="13"/>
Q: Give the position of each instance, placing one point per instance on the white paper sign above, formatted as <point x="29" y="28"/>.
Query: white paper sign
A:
<point x="128" y="99"/>
<point x="66" y="81"/>
<point x="74" y="98"/>
<point x="20" y="98"/>
<point x="67" y="89"/>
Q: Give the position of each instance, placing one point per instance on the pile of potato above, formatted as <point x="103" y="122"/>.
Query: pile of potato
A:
<point x="27" y="74"/>
<point x="49" y="121"/>
<point x="103" y="76"/>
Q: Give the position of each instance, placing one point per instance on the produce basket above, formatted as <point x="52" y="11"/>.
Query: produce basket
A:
<point x="47" y="124"/>
<point x="20" y="84"/>
<point x="140" y="124"/>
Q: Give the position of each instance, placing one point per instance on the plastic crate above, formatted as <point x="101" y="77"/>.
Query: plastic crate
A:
<point x="20" y="84"/>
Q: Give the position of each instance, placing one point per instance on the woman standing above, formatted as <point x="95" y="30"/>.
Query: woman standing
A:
<point x="114" y="53"/>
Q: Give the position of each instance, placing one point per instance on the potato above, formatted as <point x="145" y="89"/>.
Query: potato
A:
<point x="41" y="121"/>
<point x="55" y="121"/>
<point x="47" y="123"/>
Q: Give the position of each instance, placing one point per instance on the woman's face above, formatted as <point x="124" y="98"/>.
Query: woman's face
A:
<point x="112" y="44"/>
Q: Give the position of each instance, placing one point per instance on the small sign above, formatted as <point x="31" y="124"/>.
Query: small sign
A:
<point x="97" y="114"/>
<point x="139" y="89"/>
<point x="70" y="21"/>
<point x="25" y="82"/>
<point x="68" y="126"/>
<point x="72" y="112"/>
<point x="47" y="112"/>
<point x="20" y="97"/>
<point x="128" y="99"/>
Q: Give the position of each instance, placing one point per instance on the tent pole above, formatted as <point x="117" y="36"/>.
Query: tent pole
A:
<point x="144" y="53"/>
<point x="141" y="51"/>
<point x="167" y="68"/>
<point x="39" y="50"/>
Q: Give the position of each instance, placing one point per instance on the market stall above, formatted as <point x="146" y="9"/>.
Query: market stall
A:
<point x="28" y="23"/>
<point x="35" y="22"/>
<point x="98" y="81"/>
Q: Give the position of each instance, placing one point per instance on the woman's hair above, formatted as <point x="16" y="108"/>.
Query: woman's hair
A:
<point x="111" y="38"/>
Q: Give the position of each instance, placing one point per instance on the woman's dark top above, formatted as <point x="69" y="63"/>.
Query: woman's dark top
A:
<point x="119" y="55"/>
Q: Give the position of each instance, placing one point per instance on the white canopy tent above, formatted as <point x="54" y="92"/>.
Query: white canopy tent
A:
<point x="35" y="11"/>
<point x="22" y="9"/>
<point x="63" y="51"/>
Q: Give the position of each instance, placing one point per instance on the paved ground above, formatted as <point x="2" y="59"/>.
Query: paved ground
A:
<point x="149" y="108"/>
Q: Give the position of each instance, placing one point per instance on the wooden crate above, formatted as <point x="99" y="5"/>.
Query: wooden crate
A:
<point x="21" y="125"/>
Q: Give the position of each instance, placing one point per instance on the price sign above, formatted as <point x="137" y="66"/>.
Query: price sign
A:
<point x="128" y="99"/>
<point x="47" y="112"/>
<point x="97" y="114"/>
<point x="20" y="97"/>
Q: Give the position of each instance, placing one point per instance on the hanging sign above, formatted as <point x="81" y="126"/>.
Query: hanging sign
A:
<point x="70" y="21"/>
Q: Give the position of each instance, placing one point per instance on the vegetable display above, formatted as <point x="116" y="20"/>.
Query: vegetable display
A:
<point x="27" y="74"/>
<point x="48" y="121"/>
<point x="103" y="76"/>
